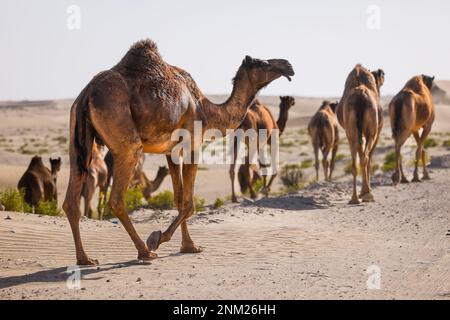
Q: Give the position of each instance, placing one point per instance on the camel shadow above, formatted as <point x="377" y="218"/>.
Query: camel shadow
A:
<point x="61" y="274"/>
<point x="292" y="202"/>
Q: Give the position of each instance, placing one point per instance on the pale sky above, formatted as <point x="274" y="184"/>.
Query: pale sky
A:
<point x="41" y="58"/>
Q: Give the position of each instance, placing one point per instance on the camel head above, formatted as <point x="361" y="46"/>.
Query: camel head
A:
<point x="439" y="95"/>
<point x="286" y="102"/>
<point x="379" y="77"/>
<point x="36" y="162"/>
<point x="333" y="106"/>
<point x="55" y="164"/>
<point x="262" y="72"/>
<point x="428" y="81"/>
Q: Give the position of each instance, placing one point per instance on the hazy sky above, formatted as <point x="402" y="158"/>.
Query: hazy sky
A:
<point x="41" y="58"/>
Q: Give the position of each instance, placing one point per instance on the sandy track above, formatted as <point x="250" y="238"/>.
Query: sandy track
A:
<point x="305" y="245"/>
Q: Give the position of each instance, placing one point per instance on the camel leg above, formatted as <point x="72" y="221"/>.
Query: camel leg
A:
<point x="333" y="160"/>
<point x="353" y="153"/>
<point x="124" y="164"/>
<point x="399" y="175"/>
<point x="247" y="168"/>
<point x="232" y="172"/>
<point x="71" y="207"/>
<point x="419" y="151"/>
<point x="88" y="194"/>
<point x="420" y="140"/>
<point x="316" y="160"/>
<point x="325" y="162"/>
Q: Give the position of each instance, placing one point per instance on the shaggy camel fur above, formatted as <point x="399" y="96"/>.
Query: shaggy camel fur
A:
<point x="324" y="133"/>
<point x="135" y="107"/>
<point x="360" y="114"/>
<point x="38" y="182"/>
<point x="96" y="178"/>
<point x="139" y="178"/>
<point x="258" y="117"/>
<point x="410" y="110"/>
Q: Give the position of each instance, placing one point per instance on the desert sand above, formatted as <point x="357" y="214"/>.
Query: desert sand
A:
<point x="307" y="244"/>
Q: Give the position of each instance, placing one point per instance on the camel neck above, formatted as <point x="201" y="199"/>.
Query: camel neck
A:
<point x="282" y="119"/>
<point x="157" y="182"/>
<point x="230" y="114"/>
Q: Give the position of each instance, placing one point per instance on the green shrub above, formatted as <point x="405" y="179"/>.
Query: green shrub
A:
<point x="374" y="167"/>
<point x="430" y="143"/>
<point x="446" y="144"/>
<point x="218" y="203"/>
<point x="389" y="162"/>
<point x="291" y="176"/>
<point x="48" y="208"/>
<point x="13" y="200"/>
<point x="162" y="201"/>
<point x="340" y="157"/>
<point x="199" y="204"/>
<point x="133" y="199"/>
<point x="308" y="163"/>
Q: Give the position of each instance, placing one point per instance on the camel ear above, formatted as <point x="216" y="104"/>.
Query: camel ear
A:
<point x="248" y="60"/>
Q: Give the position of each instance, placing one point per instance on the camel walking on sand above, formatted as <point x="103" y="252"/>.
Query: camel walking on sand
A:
<point x="258" y="118"/>
<point x="324" y="133"/>
<point x="135" y="107"/>
<point x="139" y="178"/>
<point x="411" y="110"/>
<point x="96" y="178"/>
<point x="360" y="114"/>
<point x="39" y="182"/>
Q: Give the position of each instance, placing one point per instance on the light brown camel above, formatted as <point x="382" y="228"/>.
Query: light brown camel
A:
<point x="139" y="178"/>
<point x="135" y="107"/>
<point x="96" y="178"/>
<point x="38" y="182"/>
<point x="410" y="110"/>
<point x="360" y="114"/>
<point x="258" y="118"/>
<point x="324" y="133"/>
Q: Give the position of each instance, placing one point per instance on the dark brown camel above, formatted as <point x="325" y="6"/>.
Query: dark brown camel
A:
<point x="324" y="132"/>
<point x="411" y="110"/>
<point x="258" y="118"/>
<point x="139" y="178"/>
<point x="96" y="178"/>
<point x="135" y="107"/>
<point x="360" y="114"/>
<point x="38" y="182"/>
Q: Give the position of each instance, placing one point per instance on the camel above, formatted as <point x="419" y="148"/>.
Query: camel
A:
<point x="39" y="182"/>
<point x="324" y="133"/>
<point x="439" y="95"/>
<point x="258" y="117"/>
<point x="139" y="178"/>
<point x="135" y="107"/>
<point x="410" y="110"/>
<point x="361" y="116"/>
<point x="96" y="178"/>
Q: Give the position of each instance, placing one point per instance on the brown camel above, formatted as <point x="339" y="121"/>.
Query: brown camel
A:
<point x="324" y="133"/>
<point x="139" y="178"/>
<point x="258" y="117"/>
<point x="135" y="107"/>
<point x="38" y="182"/>
<point x="360" y="114"/>
<point x="96" y="178"/>
<point x="410" y="110"/>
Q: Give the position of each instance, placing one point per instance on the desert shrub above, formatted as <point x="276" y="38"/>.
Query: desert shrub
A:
<point x="48" y="208"/>
<point x="162" y="201"/>
<point x="13" y="200"/>
<point x="430" y="143"/>
<point x="446" y="144"/>
<point x="61" y="139"/>
<point x="389" y="162"/>
<point x="374" y="167"/>
<point x="286" y="144"/>
<point x="348" y="168"/>
<point x="133" y="199"/>
<point x="340" y="157"/>
<point x="308" y="163"/>
<point x="291" y="176"/>
<point x="218" y="203"/>
<point x="199" y="204"/>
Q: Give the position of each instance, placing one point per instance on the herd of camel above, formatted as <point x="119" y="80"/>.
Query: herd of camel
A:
<point x="134" y="107"/>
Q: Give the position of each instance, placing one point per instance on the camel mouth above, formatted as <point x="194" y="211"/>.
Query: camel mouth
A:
<point x="287" y="71"/>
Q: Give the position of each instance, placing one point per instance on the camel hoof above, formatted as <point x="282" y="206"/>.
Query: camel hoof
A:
<point x="416" y="180"/>
<point x="354" y="201"/>
<point x="147" y="256"/>
<point x="87" y="262"/>
<point x="191" y="249"/>
<point x="368" y="197"/>
<point x="404" y="181"/>
<point x="426" y="177"/>
<point x="395" y="178"/>
<point x="153" y="240"/>
<point x="234" y="200"/>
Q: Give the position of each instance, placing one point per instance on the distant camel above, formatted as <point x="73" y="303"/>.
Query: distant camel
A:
<point x="96" y="178"/>
<point x="135" y="107"/>
<point x="38" y="182"/>
<point x="258" y="117"/>
<point x="439" y="95"/>
<point x="324" y="133"/>
<point x="410" y="110"/>
<point x="139" y="178"/>
<point x="360" y="114"/>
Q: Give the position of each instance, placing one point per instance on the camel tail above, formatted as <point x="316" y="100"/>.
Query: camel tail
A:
<point x="361" y="107"/>
<point x="397" y="118"/>
<point x="84" y="133"/>
<point x="241" y="179"/>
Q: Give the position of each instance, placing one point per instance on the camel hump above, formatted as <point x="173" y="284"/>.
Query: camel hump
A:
<point x="32" y="186"/>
